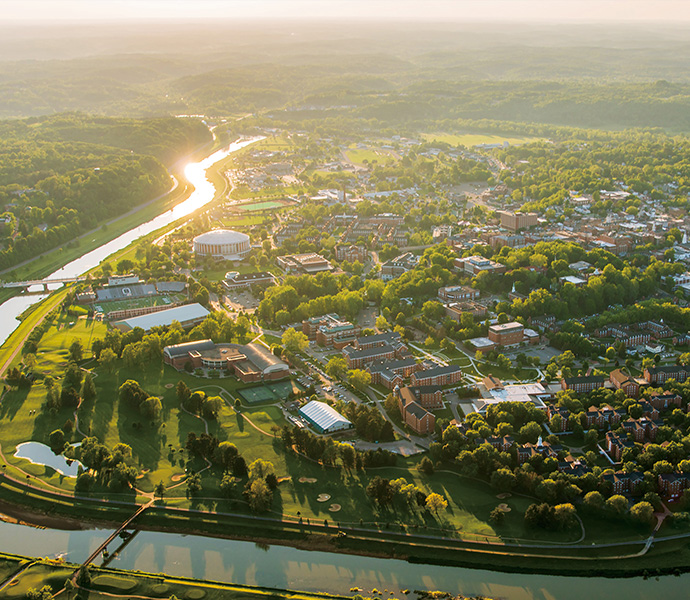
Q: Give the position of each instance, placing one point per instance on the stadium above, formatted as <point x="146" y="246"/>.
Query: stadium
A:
<point x="222" y="243"/>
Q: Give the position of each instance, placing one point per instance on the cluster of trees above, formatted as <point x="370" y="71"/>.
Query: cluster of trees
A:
<point x="198" y="402"/>
<point x="132" y="395"/>
<point x="301" y="297"/>
<point x="138" y="349"/>
<point x="385" y="492"/>
<point x="544" y="173"/>
<point x="328" y="451"/>
<point x="110" y="468"/>
<point x="368" y="421"/>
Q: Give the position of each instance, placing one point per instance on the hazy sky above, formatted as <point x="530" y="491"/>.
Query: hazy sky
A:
<point x="428" y="10"/>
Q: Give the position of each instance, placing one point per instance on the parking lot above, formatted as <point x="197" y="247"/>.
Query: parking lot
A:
<point x="241" y="300"/>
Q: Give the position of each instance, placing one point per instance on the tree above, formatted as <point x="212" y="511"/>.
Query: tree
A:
<point x="594" y="501"/>
<point x="193" y="484"/>
<point x="530" y="432"/>
<point x="359" y="378"/>
<point x="436" y="502"/>
<point x="183" y="392"/>
<point x="382" y="323"/>
<point x="503" y="480"/>
<point x="45" y="593"/>
<point x="107" y="359"/>
<point x="294" y="341"/>
<point x="259" y="495"/>
<point x="617" y="504"/>
<point x="642" y="512"/>
<point x="380" y="490"/>
<point x="497" y="516"/>
<point x="259" y="468"/>
<point x="57" y="441"/>
<point x="76" y="350"/>
<point x="426" y="466"/>
<point x="159" y="490"/>
<point x="88" y="388"/>
<point x="565" y="516"/>
<point x="336" y="367"/>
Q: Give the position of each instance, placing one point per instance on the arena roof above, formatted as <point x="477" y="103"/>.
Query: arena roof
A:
<point x="221" y="236"/>
<point x="324" y="417"/>
<point x="187" y="314"/>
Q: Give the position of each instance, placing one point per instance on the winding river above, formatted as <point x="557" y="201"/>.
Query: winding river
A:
<point x="288" y="568"/>
<point x="203" y="193"/>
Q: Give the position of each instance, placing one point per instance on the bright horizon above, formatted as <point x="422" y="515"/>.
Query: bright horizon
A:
<point x="523" y="11"/>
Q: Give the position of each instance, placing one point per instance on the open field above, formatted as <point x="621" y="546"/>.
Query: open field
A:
<point x="475" y="139"/>
<point x="256" y="206"/>
<point x="359" y="155"/>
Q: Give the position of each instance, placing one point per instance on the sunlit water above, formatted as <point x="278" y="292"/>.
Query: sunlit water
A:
<point x="287" y="568"/>
<point x="40" y="454"/>
<point x="203" y="193"/>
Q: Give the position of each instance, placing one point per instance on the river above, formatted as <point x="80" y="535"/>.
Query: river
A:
<point x="288" y="568"/>
<point x="203" y="193"/>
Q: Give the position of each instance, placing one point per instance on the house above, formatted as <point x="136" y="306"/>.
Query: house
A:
<point x="438" y="376"/>
<point x="624" y="382"/>
<point x="641" y="428"/>
<point x="414" y="414"/>
<point x="563" y="417"/>
<point x="672" y="485"/>
<point x="391" y="373"/>
<point x="616" y="445"/>
<point x="544" y="449"/>
<point x="665" y="401"/>
<point x="502" y="444"/>
<point x="601" y="417"/>
<point x="624" y="483"/>
<point x="398" y="265"/>
<point x="663" y="374"/>
<point x="477" y="264"/>
<point x="582" y="385"/>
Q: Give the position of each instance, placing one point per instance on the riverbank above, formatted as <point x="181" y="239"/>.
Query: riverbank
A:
<point x="612" y="561"/>
<point x="22" y="573"/>
<point x="33" y="312"/>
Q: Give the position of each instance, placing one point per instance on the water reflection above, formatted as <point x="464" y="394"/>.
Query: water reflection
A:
<point x="288" y="568"/>
<point x="203" y="193"/>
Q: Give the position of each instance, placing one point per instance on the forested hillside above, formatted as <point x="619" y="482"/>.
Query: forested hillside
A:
<point x="66" y="174"/>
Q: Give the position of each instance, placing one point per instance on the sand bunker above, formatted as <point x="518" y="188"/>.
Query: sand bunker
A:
<point x="504" y="508"/>
<point x="323" y="498"/>
<point x="504" y="495"/>
<point x="307" y="480"/>
<point x="178" y="477"/>
<point x="334" y="507"/>
<point x="284" y="478"/>
<point x="169" y="386"/>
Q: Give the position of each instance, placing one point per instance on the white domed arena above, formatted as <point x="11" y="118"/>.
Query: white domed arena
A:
<point x="222" y="243"/>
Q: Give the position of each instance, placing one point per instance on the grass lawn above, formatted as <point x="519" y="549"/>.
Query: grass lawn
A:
<point x="474" y="139"/>
<point x="254" y="206"/>
<point x="359" y="155"/>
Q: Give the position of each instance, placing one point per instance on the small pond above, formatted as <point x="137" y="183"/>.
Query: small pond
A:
<point x="40" y="454"/>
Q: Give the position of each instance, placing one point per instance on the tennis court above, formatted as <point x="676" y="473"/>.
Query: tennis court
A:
<point x="272" y="392"/>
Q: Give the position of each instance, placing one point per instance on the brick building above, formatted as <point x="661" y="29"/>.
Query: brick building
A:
<point x="507" y="334"/>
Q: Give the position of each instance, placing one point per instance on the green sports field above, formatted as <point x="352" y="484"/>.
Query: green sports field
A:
<point x="255" y="206"/>
<point x="269" y="392"/>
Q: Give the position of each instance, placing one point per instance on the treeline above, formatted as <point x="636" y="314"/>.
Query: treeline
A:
<point x="64" y="175"/>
